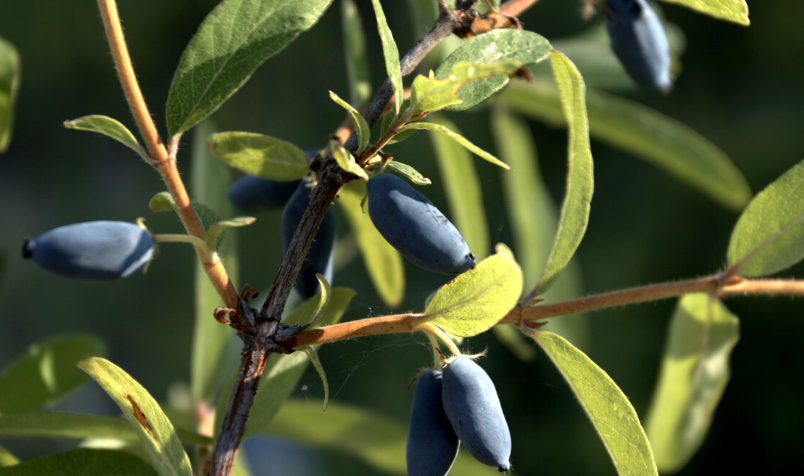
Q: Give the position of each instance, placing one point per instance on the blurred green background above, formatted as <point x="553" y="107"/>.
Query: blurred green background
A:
<point x="743" y="88"/>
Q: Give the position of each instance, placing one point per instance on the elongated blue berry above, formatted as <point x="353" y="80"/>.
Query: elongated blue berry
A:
<point x="255" y="194"/>
<point x="319" y="259"/>
<point x="432" y="443"/>
<point x="638" y="40"/>
<point x="415" y="227"/>
<point x="472" y="406"/>
<point x="92" y="250"/>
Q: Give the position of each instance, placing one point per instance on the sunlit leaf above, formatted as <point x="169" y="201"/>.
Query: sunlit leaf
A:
<point x="769" y="236"/>
<point x="391" y="54"/>
<point x="7" y="458"/>
<point x="9" y="86"/>
<point x="643" y="132"/>
<point x="429" y="126"/>
<point x="218" y="228"/>
<point x="523" y="46"/>
<point x="213" y="356"/>
<point x="46" y="372"/>
<point x="361" y="126"/>
<point x="695" y="371"/>
<point x="162" y="202"/>
<point x="731" y="10"/>
<point x="83" y="462"/>
<point x="156" y="433"/>
<point x="580" y="178"/>
<point x="232" y="41"/>
<point x="369" y="437"/>
<point x="323" y="297"/>
<point x="78" y="426"/>
<point x="477" y="299"/>
<point x="354" y="39"/>
<point x="110" y="128"/>
<point x="429" y="93"/>
<point x="462" y="187"/>
<point x="260" y="155"/>
<point x="383" y="262"/>
<point x="313" y="356"/>
<point x="282" y="372"/>
<point x="405" y="170"/>
<point x="346" y="160"/>
<point x="605" y="404"/>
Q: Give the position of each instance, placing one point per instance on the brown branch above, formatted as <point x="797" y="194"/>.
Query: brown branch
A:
<point x="165" y="164"/>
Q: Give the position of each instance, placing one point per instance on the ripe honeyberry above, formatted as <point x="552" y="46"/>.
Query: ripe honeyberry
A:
<point x="638" y="40"/>
<point x="432" y="443"/>
<point x="253" y="194"/>
<point x="415" y="227"/>
<point x="472" y="406"/>
<point x="319" y="258"/>
<point x="91" y="250"/>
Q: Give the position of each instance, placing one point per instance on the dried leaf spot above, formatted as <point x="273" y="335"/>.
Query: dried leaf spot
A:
<point x="140" y="416"/>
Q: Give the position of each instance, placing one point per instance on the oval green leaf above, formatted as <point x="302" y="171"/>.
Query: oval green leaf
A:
<point x="574" y="215"/>
<point x="211" y="360"/>
<point x="83" y="462"/>
<point x="520" y="45"/>
<point x="605" y="404"/>
<point x="695" y="371"/>
<point x="77" y="426"/>
<point x="382" y="261"/>
<point x="769" y="236"/>
<point x="110" y="128"/>
<point x="361" y="126"/>
<point x="476" y="300"/>
<point x="373" y="439"/>
<point x="157" y="436"/>
<point x="233" y="40"/>
<point x="259" y="155"/>
<point x="429" y="126"/>
<point x="391" y="54"/>
<point x="46" y="372"/>
<point x="9" y="87"/>
<point x="644" y="132"/>
<point x="462" y="186"/>
<point x="405" y="170"/>
<point x="346" y="160"/>
<point x="731" y="10"/>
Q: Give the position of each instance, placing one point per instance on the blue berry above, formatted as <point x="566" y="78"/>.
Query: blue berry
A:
<point x="639" y="41"/>
<point x="415" y="227"/>
<point x="432" y="443"/>
<point x="473" y="407"/>
<point x="253" y="194"/>
<point x="100" y="250"/>
<point x="319" y="258"/>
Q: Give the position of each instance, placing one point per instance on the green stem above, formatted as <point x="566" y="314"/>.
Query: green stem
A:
<point x="433" y="330"/>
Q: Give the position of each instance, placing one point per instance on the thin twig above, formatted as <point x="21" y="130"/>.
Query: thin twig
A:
<point x="158" y="154"/>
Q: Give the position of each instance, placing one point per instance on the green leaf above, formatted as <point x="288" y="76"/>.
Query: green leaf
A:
<point x="429" y="126"/>
<point x="408" y="172"/>
<point x="383" y="262"/>
<point x="346" y="160"/>
<point x="354" y="39"/>
<point x="374" y="439"/>
<point x="769" y="236"/>
<point x="213" y="356"/>
<point x="259" y="155"/>
<point x="228" y="47"/>
<point x="476" y="300"/>
<point x="523" y="46"/>
<point x="429" y="93"/>
<point x="695" y="371"/>
<point x="72" y="425"/>
<point x="645" y="133"/>
<point x="605" y="404"/>
<point x="361" y="126"/>
<point x="110" y="128"/>
<point x="9" y="87"/>
<point x="46" y="372"/>
<point x="156" y="433"/>
<point x="7" y="458"/>
<point x="313" y="356"/>
<point x="462" y="186"/>
<point x="215" y="231"/>
<point x="282" y="372"/>
<point x="162" y="202"/>
<point x="391" y="54"/>
<point x="580" y="179"/>
<point x="388" y="119"/>
<point x="323" y="300"/>
<point x="83" y="462"/>
<point x="731" y="10"/>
